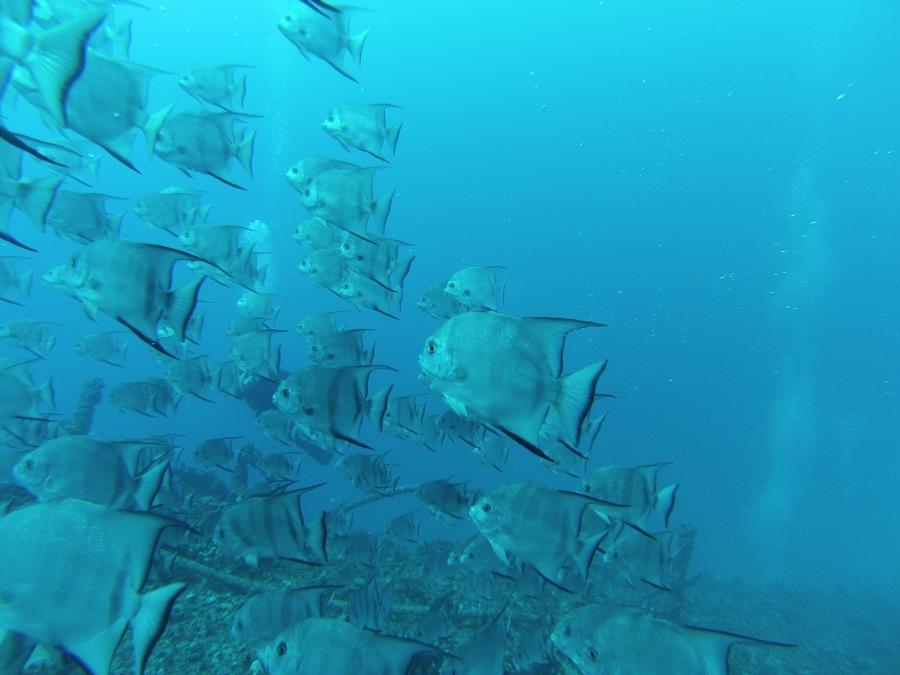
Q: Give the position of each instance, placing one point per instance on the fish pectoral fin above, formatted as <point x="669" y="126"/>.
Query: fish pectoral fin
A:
<point x="500" y="552"/>
<point x="456" y="406"/>
<point x="96" y="653"/>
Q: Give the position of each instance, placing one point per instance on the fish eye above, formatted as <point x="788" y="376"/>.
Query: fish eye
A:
<point x="282" y="648"/>
<point x="567" y="631"/>
<point x="309" y="410"/>
<point x="592" y="653"/>
<point x="431" y="346"/>
<point x="29" y="464"/>
<point x="285" y="393"/>
<point x="221" y="533"/>
<point x="486" y="507"/>
<point x="451" y="284"/>
<point x="293" y="169"/>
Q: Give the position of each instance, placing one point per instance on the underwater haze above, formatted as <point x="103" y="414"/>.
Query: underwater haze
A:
<point x="716" y="183"/>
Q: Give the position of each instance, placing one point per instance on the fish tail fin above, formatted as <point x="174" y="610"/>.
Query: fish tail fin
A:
<point x="381" y="209"/>
<point x="402" y="270"/>
<point x="36" y="197"/>
<point x="274" y="364"/>
<point x="182" y="303"/>
<point x="244" y="152"/>
<point x="24" y="283"/>
<point x="47" y="394"/>
<point x="585" y="554"/>
<point x="355" y="46"/>
<point x="318" y="531"/>
<point x="240" y="88"/>
<point x="115" y="224"/>
<point x="575" y="399"/>
<point x="378" y="407"/>
<point x="123" y="37"/>
<point x="204" y="212"/>
<point x="392" y="134"/>
<point x="58" y="58"/>
<point x="151" y="619"/>
<point x="148" y="485"/>
<point x="153" y="124"/>
<point x="664" y="502"/>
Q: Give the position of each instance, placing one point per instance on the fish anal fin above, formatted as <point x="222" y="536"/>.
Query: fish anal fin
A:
<point x="96" y="653"/>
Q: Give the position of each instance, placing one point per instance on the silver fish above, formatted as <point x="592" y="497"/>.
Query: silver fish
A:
<point x="113" y="473"/>
<point x="506" y="373"/>
<point x="342" y="348"/>
<point x="304" y="171"/>
<point x="329" y="400"/>
<point x="19" y="397"/>
<point x="362" y="126"/>
<point x="264" y="615"/>
<point x="73" y="574"/>
<point x="344" y="199"/>
<point x="272" y="527"/>
<point x="222" y="85"/>
<point x="129" y="281"/>
<point x="435" y="302"/>
<point x="205" y="142"/>
<point x="477" y="287"/>
<point x="82" y="217"/>
<point x="151" y="397"/>
<point x="540" y="526"/>
<point x="102" y="347"/>
<point x="172" y="209"/>
<point x="635" y="486"/>
<point x="603" y="639"/>
<point x="35" y="336"/>
<point x="325" y="37"/>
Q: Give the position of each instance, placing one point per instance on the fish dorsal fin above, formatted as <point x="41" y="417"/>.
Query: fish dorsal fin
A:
<point x="549" y="334"/>
<point x="96" y="652"/>
<point x="650" y="471"/>
<point x="714" y="646"/>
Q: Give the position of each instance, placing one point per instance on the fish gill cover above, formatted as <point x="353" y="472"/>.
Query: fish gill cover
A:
<point x="459" y="338"/>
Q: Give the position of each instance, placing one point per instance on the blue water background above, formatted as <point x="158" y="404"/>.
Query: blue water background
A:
<point x="719" y="182"/>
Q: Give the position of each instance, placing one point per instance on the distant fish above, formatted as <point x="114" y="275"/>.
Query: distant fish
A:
<point x="82" y="217"/>
<point x="320" y="645"/>
<point x="129" y="281"/>
<point x="102" y="347"/>
<point x="439" y="304"/>
<point x="272" y="527"/>
<point x="326" y="37"/>
<point x="506" y="373"/>
<point x="173" y="209"/>
<point x="222" y="86"/>
<point x="35" y="336"/>
<point x="601" y="638"/>
<point x="636" y="487"/>
<point x="153" y="397"/>
<point x="205" y="142"/>
<point x="264" y="615"/>
<point x="477" y="287"/>
<point x="301" y="173"/>
<point x="362" y="126"/>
